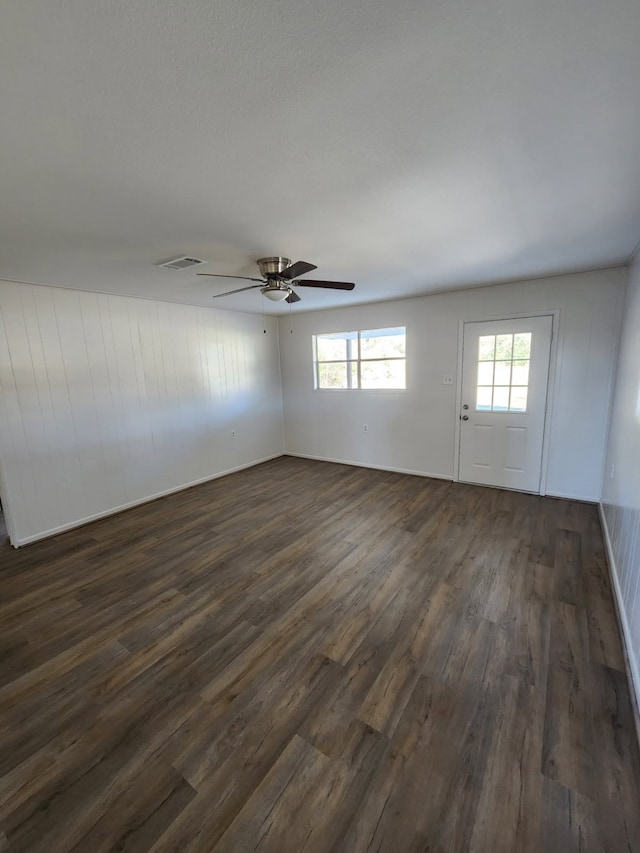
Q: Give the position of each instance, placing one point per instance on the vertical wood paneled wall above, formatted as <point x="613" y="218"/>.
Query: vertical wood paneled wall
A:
<point x="621" y="486"/>
<point x="106" y="401"/>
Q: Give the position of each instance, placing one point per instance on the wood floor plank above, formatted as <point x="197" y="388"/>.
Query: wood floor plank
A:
<point x="511" y="788"/>
<point x="385" y="701"/>
<point x="141" y="813"/>
<point x="306" y="656"/>
<point x="231" y="761"/>
<point x="404" y="778"/>
<point x="614" y="743"/>
<point x="263" y="822"/>
<point x="569" y="818"/>
<point x="605" y="646"/>
<point x="568" y="755"/>
<point x="32" y="723"/>
<point x="568" y="563"/>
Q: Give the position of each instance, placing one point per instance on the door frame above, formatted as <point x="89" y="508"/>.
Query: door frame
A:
<point x="554" y="313"/>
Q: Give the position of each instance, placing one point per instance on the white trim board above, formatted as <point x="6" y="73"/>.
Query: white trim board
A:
<point x="63" y="528"/>
<point x="365" y="465"/>
<point x="570" y="497"/>
<point x="631" y="663"/>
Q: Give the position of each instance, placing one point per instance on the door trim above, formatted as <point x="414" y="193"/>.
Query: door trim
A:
<point x="554" y="313"/>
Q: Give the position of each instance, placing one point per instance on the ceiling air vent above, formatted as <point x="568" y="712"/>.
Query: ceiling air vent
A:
<point x="182" y="263"/>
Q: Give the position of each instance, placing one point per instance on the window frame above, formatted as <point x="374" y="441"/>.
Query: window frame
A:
<point x="350" y="359"/>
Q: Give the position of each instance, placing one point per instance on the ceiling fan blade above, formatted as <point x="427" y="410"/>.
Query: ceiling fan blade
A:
<point x="240" y="289"/>
<point x="299" y="268"/>
<point x="292" y="297"/>
<point x="333" y="285"/>
<point x="243" y="277"/>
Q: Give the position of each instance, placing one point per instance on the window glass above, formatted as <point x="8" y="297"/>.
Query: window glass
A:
<point x="485" y="373"/>
<point x="518" y="400"/>
<point x="483" y="399"/>
<point x="333" y="375"/>
<point x="500" y="399"/>
<point x="334" y="347"/>
<point x="369" y="359"/>
<point x="504" y="346"/>
<point x="520" y="373"/>
<point x="382" y="343"/>
<point x="487" y="348"/>
<point x="383" y="374"/>
<point x="503" y="372"/>
<point x="522" y="345"/>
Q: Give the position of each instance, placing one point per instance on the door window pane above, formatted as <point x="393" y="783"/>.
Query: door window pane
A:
<point x="504" y="346"/>
<point x="522" y="345"/>
<point x="520" y="373"/>
<point x="503" y="372"/>
<point x="487" y="348"/>
<point x="485" y="373"/>
<point x="518" y="402"/>
<point x="483" y="399"/>
<point x="500" y="399"/>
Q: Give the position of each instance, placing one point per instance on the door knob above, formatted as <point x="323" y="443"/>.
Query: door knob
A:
<point x="465" y="417"/>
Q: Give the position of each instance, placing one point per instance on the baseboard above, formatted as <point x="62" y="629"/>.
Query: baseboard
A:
<point x="631" y="663"/>
<point x="565" y="496"/>
<point x="80" y="522"/>
<point x="365" y="465"/>
<point x="430" y="474"/>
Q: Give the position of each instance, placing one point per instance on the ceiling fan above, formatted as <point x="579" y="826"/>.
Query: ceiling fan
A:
<point x="279" y="276"/>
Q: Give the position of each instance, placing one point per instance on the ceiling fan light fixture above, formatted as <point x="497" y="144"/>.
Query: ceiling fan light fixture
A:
<point x="276" y="294"/>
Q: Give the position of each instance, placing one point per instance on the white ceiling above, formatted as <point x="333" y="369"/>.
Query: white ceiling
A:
<point x="408" y="147"/>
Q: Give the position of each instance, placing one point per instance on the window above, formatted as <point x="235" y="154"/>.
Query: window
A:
<point x="503" y="372"/>
<point x="374" y="358"/>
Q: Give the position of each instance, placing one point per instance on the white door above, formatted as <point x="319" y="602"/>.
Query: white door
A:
<point x="505" y="370"/>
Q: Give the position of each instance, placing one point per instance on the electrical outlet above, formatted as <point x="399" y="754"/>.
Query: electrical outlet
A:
<point x="447" y="380"/>
<point x="365" y="428"/>
<point x="234" y="434"/>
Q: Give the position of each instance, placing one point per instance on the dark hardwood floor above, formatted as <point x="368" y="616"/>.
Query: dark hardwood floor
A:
<point x="312" y="657"/>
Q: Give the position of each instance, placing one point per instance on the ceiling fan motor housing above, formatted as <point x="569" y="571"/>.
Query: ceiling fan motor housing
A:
<point x="272" y="267"/>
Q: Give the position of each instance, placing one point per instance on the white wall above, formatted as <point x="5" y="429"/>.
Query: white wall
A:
<point x="414" y="430"/>
<point x="621" y="493"/>
<point x="106" y="401"/>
